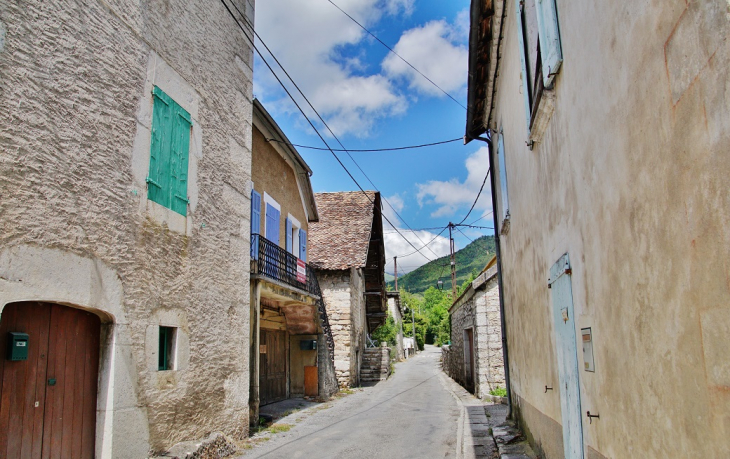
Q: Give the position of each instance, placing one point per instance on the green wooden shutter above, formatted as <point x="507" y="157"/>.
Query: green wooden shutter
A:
<point x="158" y="177"/>
<point x="549" y="31"/>
<point x="167" y="181"/>
<point x="179" y="169"/>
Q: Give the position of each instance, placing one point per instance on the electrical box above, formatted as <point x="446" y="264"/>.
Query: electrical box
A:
<point x="587" y="349"/>
<point x="18" y="346"/>
<point x="308" y="344"/>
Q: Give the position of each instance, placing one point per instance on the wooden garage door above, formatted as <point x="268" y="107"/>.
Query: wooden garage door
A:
<point x="272" y="374"/>
<point x="48" y="402"/>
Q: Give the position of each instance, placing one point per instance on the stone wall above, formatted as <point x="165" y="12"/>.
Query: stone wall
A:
<point x="76" y="224"/>
<point x="398" y="320"/>
<point x="343" y="293"/>
<point x="478" y="309"/>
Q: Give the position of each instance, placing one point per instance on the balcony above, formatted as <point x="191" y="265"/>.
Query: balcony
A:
<point x="271" y="261"/>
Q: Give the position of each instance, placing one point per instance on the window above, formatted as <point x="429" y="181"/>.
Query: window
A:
<point x="166" y="355"/>
<point x="540" y="51"/>
<point x="292" y="234"/>
<point x="271" y="220"/>
<point x="167" y="181"/>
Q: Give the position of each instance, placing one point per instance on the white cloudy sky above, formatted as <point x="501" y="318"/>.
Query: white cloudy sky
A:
<point x="370" y="98"/>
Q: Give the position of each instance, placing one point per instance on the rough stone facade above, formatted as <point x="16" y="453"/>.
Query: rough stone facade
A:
<point x="478" y="310"/>
<point x="343" y="293"/>
<point x="77" y="227"/>
<point x="394" y="311"/>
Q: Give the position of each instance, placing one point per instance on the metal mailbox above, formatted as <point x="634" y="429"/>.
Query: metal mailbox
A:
<point x="18" y="346"/>
<point x="308" y="344"/>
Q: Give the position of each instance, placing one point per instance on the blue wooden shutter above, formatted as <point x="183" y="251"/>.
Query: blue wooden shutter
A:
<point x="502" y="176"/>
<point x="179" y="161"/>
<point x="303" y="245"/>
<point x="289" y="235"/>
<point x="549" y="32"/>
<point x="272" y="224"/>
<point x="523" y="61"/>
<point x="255" y="223"/>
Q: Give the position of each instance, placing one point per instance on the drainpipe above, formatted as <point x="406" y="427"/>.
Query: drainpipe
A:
<point x="503" y="323"/>
<point x="255" y="365"/>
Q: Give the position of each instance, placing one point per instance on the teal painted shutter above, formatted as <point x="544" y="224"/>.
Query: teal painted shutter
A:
<point x="523" y="62"/>
<point x="503" y="176"/>
<point x="255" y="223"/>
<point x="303" y="245"/>
<point x="549" y="32"/>
<point x="167" y="181"/>
<point x="179" y="164"/>
<point x="157" y="178"/>
<point x="289" y="236"/>
<point x="272" y="224"/>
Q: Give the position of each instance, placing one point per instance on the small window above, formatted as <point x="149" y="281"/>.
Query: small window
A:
<point x="167" y="181"/>
<point x="166" y="357"/>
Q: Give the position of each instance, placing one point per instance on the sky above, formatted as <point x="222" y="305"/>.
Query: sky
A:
<point x="371" y="99"/>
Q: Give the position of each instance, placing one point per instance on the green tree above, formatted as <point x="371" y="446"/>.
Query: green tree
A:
<point x="387" y="332"/>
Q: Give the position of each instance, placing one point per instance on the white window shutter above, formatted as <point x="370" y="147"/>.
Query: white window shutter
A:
<point x="549" y="30"/>
<point x="503" y="176"/>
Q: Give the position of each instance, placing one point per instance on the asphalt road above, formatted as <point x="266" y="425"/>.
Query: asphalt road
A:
<point x="413" y="414"/>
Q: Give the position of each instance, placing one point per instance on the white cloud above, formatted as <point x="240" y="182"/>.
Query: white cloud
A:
<point x="437" y="49"/>
<point x="398" y="244"/>
<point x="308" y="38"/>
<point x="451" y="195"/>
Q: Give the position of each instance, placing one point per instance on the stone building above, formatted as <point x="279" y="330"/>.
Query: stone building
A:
<point x="474" y="357"/>
<point x="608" y="125"/>
<point x="125" y="172"/>
<point x="346" y="248"/>
<point x="290" y="339"/>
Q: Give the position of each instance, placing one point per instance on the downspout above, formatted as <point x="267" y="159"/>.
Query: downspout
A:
<point x="503" y="323"/>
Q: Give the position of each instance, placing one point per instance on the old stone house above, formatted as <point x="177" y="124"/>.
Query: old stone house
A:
<point x="125" y="172"/>
<point x="290" y="343"/>
<point x="608" y="125"/>
<point x="346" y="248"/>
<point x="474" y="357"/>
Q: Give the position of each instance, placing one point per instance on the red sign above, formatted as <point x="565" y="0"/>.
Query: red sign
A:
<point x="301" y="271"/>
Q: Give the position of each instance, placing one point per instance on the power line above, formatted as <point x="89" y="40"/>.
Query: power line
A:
<point x="477" y="198"/>
<point x="313" y="109"/>
<point x="398" y="55"/>
<point x="409" y="147"/>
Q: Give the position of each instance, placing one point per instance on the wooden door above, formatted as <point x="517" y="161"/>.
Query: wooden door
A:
<point x="469" y="359"/>
<point x="48" y="402"/>
<point x="567" y="351"/>
<point x="273" y="370"/>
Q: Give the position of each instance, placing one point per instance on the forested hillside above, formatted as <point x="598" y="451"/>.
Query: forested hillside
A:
<point x="473" y="257"/>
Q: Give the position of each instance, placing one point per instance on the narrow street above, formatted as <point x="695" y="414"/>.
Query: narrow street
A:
<point x="416" y="413"/>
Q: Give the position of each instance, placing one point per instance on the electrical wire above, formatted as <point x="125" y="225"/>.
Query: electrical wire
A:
<point x="478" y="195"/>
<point x="398" y="55"/>
<point x="313" y="109"/>
<point x="409" y="147"/>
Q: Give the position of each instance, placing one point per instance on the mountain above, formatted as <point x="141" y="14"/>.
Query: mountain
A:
<point x="473" y="257"/>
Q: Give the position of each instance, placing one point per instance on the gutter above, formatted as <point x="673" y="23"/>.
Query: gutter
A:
<point x="497" y="244"/>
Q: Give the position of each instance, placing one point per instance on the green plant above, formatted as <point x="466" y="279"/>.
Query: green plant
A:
<point x="498" y="391"/>
<point x="276" y="428"/>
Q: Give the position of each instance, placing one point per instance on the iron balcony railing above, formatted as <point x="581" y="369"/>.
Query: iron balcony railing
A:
<point x="270" y="260"/>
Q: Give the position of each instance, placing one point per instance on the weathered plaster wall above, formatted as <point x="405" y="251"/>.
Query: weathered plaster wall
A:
<point x="271" y="173"/>
<point x="398" y="320"/>
<point x="631" y="180"/>
<point x="298" y="359"/>
<point x="76" y="76"/>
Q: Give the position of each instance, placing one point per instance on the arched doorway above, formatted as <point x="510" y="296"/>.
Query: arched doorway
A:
<point x="48" y="399"/>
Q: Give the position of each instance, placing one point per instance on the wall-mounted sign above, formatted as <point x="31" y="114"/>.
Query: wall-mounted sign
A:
<point x="301" y="271"/>
<point x="587" y="349"/>
<point x="262" y="349"/>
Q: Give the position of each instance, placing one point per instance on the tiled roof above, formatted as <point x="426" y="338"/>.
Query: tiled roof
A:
<point x="341" y="237"/>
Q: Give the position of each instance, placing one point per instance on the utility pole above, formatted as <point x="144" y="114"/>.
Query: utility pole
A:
<point x="453" y="263"/>
<point x="395" y="272"/>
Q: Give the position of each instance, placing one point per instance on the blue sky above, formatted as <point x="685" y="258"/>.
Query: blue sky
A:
<point x="371" y="99"/>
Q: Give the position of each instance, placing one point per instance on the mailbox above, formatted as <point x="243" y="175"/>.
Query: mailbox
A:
<point x="308" y="344"/>
<point x="17" y="346"/>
